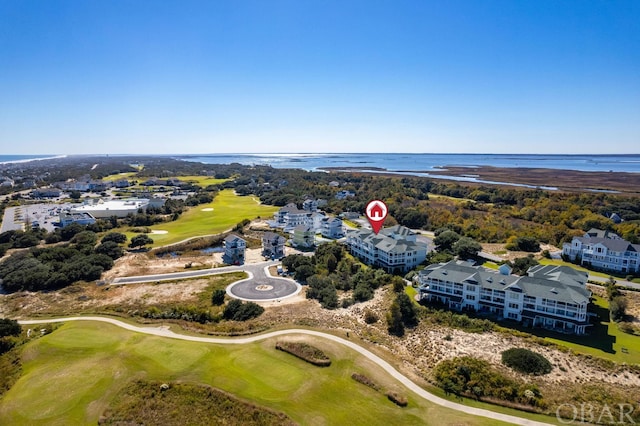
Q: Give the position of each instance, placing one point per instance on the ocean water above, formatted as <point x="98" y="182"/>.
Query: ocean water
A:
<point x="418" y="164"/>
<point x="24" y="158"/>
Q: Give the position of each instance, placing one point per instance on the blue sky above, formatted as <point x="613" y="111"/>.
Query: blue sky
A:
<point x="145" y="77"/>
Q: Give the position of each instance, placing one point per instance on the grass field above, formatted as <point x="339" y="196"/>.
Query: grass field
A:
<point x="605" y="340"/>
<point x="201" y="181"/>
<point x="222" y="214"/>
<point x="559" y="262"/>
<point x="118" y="176"/>
<point x="72" y="375"/>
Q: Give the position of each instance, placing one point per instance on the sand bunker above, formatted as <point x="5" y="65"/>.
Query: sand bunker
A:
<point x="208" y="209"/>
<point x="159" y="231"/>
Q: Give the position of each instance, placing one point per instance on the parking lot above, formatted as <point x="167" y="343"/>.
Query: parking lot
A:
<point x="21" y="217"/>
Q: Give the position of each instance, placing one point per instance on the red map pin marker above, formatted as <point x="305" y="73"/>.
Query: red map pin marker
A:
<point x="376" y="213"/>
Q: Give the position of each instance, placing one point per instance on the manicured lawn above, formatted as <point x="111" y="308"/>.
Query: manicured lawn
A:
<point x="226" y="210"/>
<point x="71" y="375"/>
<point x="201" y="181"/>
<point x="118" y="176"/>
<point x="605" y="340"/>
<point x="490" y="265"/>
<point x="559" y="262"/>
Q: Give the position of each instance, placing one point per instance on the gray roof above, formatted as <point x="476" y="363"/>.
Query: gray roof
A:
<point x="390" y="240"/>
<point x="291" y="208"/>
<point x="617" y="244"/>
<point x="554" y="283"/>
<point x="272" y="236"/>
<point x="232" y="237"/>
<point x="599" y="233"/>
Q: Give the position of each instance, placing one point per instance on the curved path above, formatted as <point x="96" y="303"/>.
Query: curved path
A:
<point x="165" y="332"/>
<point x="259" y="287"/>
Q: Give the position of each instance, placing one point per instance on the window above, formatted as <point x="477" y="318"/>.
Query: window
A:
<point x="470" y="297"/>
<point x="470" y="288"/>
<point x="512" y="315"/>
<point x="513" y="295"/>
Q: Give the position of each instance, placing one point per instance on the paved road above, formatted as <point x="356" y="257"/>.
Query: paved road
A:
<point x="259" y="286"/>
<point x="262" y="286"/>
<point x="165" y="332"/>
<point x="622" y="283"/>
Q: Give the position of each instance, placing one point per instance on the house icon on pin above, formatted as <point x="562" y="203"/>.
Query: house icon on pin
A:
<point x="376" y="212"/>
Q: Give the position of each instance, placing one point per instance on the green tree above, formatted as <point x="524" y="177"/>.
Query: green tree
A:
<point x="303" y="272"/>
<point x="445" y="240"/>
<point x="140" y="241"/>
<point x="466" y="248"/>
<point x="395" y="325"/>
<point x="111" y="249"/>
<point x="116" y="237"/>
<point x="398" y="284"/>
<point x="408" y="310"/>
<point x="87" y="238"/>
<point x="521" y="265"/>
<point x="9" y="327"/>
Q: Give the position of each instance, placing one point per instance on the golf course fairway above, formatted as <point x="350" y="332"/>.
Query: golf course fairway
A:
<point x="71" y="375"/>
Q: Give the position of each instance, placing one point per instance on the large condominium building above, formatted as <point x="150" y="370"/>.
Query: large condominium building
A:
<point x="393" y="249"/>
<point x="603" y="250"/>
<point x="553" y="297"/>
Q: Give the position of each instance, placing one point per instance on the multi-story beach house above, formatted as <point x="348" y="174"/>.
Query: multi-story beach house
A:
<point x="331" y="227"/>
<point x="234" y="250"/>
<point x="290" y="216"/>
<point x="394" y="249"/>
<point x="604" y="250"/>
<point x="304" y="236"/>
<point x="273" y="245"/>
<point x="552" y="297"/>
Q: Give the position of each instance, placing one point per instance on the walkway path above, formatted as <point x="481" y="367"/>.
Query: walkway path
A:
<point x="165" y="332"/>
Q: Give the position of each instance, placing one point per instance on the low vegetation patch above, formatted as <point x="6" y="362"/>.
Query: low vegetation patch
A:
<point x="526" y="361"/>
<point x="360" y="378"/>
<point x="306" y="352"/>
<point x="155" y="403"/>
<point x="398" y="399"/>
<point x="477" y="379"/>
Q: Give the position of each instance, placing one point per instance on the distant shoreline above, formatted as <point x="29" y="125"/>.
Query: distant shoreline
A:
<point x="27" y="160"/>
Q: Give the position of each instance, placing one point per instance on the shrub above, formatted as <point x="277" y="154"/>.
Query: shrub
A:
<point x="306" y="352"/>
<point x="526" y="361"/>
<point x="365" y="381"/>
<point x="370" y="317"/>
<point x="217" y="298"/>
<point x="396" y="398"/>
<point x="238" y="311"/>
<point x="618" y="308"/>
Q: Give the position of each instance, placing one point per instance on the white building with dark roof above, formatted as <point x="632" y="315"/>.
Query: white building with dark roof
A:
<point x="604" y="250"/>
<point x="552" y="297"/>
<point x="393" y="249"/>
